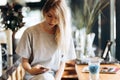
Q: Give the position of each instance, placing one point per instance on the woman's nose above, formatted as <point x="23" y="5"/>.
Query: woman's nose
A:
<point x="53" y="20"/>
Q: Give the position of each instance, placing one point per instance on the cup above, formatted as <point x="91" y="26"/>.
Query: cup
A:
<point x="94" y="68"/>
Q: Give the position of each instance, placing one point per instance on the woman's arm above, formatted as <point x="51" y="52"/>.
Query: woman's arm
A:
<point x="37" y="69"/>
<point x="26" y="65"/>
<point x="59" y="73"/>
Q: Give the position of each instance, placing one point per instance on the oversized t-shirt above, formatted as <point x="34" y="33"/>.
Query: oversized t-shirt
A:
<point x="42" y="45"/>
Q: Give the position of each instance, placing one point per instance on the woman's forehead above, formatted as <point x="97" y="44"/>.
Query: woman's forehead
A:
<point x="53" y="12"/>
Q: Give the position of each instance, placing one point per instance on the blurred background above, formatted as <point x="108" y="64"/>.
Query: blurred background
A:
<point x="17" y="15"/>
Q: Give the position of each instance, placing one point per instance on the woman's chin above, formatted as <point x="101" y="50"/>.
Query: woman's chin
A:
<point x="51" y="26"/>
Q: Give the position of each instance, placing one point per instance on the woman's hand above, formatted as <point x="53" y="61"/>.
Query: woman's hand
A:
<point x="38" y="69"/>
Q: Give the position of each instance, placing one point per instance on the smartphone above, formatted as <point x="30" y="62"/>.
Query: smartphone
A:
<point x="44" y="68"/>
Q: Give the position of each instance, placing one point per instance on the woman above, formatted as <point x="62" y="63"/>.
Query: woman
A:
<point x="46" y="47"/>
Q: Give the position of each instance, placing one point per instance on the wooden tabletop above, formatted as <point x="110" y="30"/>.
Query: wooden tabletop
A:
<point x="103" y="76"/>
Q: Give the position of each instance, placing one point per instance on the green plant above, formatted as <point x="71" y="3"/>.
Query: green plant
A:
<point x="91" y="14"/>
<point x="87" y="14"/>
<point x="12" y="17"/>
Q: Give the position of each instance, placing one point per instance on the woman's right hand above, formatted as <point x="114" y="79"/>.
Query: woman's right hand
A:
<point x="38" y="69"/>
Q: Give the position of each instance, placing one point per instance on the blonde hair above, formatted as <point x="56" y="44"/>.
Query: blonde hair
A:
<point x="63" y="31"/>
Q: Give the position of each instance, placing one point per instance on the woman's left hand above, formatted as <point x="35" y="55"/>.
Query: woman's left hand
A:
<point x="38" y="69"/>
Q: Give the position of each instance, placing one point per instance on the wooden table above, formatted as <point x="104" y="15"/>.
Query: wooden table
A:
<point x="103" y="76"/>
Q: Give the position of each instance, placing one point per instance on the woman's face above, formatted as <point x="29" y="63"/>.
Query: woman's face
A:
<point x="51" y="18"/>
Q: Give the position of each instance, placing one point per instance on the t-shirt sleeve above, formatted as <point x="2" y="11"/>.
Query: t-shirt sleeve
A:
<point x="24" y="46"/>
<point x="71" y="52"/>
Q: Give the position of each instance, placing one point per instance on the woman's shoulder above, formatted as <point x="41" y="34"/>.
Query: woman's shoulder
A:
<point x="34" y="28"/>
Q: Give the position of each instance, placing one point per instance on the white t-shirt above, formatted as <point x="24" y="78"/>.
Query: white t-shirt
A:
<point x="43" y="47"/>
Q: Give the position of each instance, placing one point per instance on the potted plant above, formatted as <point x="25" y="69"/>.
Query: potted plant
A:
<point x="11" y="20"/>
<point x="85" y="17"/>
<point x="12" y="17"/>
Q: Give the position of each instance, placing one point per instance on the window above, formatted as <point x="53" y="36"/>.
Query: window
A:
<point x="3" y="2"/>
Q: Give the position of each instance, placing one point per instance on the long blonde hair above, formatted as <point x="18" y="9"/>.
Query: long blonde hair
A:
<point x="63" y="31"/>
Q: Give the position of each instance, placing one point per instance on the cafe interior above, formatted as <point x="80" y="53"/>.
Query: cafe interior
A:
<point x="95" y="32"/>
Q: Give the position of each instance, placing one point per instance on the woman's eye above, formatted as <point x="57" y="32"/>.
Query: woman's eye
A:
<point x="49" y="15"/>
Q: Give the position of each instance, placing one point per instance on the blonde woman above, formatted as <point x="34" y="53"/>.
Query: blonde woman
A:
<point x="45" y="47"/>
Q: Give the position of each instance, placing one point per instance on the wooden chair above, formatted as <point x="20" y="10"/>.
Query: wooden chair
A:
<point x="18" y="74"/>
<point x="69" y="72"/>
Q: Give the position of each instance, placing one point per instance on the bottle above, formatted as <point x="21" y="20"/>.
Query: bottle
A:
<point x="107" y="54"/>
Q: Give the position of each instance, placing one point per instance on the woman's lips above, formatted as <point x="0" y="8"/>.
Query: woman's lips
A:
<point x="51" y="24"/>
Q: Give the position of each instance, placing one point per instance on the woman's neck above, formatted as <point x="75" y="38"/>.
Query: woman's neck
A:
<point x="47" y="29"/>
